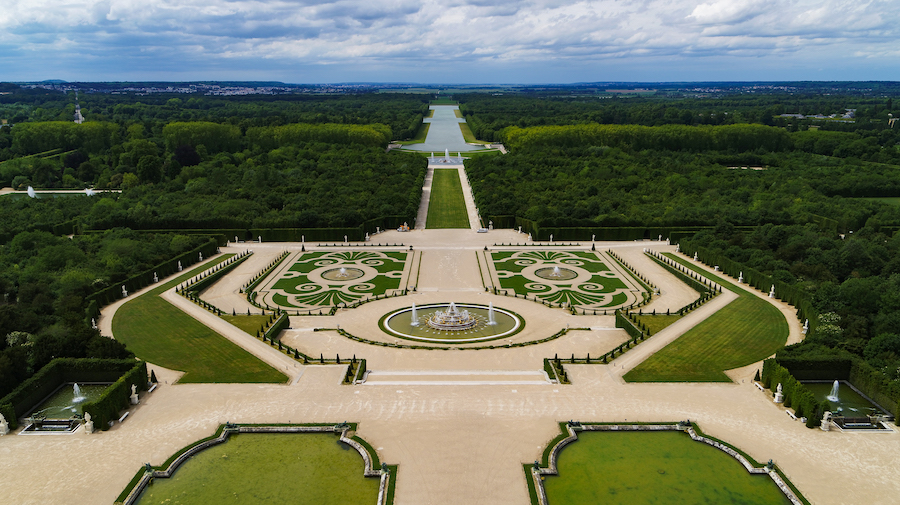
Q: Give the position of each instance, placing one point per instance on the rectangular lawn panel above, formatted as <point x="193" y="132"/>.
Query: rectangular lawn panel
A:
<point x="648" y="468"/>
<point x="745" y="331"/>
<point x="160" y="333"/>
<point x="447" y="207"/>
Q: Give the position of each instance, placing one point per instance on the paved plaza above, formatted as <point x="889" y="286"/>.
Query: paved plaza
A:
<point x="459" y="423"/>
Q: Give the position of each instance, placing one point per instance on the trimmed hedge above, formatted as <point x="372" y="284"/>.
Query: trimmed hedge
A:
<point x="622" y="321"/>
<point x="796" y="395"/>
<point x="275" y="328"/>
<point x="117" y="397"/>
<point x="62" y="370"/>
<point x="876" y="386"/>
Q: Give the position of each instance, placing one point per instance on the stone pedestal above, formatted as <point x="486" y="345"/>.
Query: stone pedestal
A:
<point x="4" y="428"/>
<point x="88" y="427"/>
<point x="779" y="397"/>
<point x="134" y="399"/>
<point x="826" y="422"/>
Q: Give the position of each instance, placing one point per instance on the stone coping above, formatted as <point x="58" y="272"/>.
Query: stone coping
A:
<point x="228" y="429"/>
<point x="573" y="428"/>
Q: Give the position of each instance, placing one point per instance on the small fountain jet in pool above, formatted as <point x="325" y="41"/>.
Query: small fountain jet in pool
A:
<point x="833" y="397"/>
<point x="491" y="319"/>
<point x="78" y="396"/>
<point x="342" y="273"/>
<point x="415" y="316"/>
<point x="31" y="192"/>
<point x="555" y="273"/>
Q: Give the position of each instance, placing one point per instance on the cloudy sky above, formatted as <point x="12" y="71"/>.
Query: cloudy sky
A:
<point x="450" y="41"/>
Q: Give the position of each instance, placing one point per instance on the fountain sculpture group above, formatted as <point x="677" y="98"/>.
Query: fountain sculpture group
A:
<point x="453" y="319"/>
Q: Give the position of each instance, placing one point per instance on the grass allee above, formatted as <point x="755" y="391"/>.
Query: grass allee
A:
<point x="447" y="207"/>
<point x="307" y="468"/>
<point x="650" y="468"/>
<point x="160" y="333"/>
<point x="747" y="330"/>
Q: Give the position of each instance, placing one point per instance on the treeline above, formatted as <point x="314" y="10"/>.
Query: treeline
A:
<point x="735" y="138"/>
<point x="487" y="115"/>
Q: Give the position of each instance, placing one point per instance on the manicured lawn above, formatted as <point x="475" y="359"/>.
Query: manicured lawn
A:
<point x="447" y="207"/>
<point x="421" y="133"/>
<point x="162" y="334"/>
<point x="653" y="468"/>
<point x="309" y="468"/>
<point x="658" y="322"/>
<point x="250" y="324"/>
<point x="468" y="135"/>
<point x="744" y="331"/>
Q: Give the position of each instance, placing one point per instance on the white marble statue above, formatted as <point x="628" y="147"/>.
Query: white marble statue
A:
<point x="88" y="424"/>
<point x="4" y="426"/>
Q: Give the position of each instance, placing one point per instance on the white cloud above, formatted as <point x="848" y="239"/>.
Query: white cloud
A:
<point x="406" y="33"/>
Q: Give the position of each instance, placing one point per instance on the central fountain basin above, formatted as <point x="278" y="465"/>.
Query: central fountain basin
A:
<point x="342" y="274"/>
<point x="452" y="323"/>
<point x="556" y="273"/>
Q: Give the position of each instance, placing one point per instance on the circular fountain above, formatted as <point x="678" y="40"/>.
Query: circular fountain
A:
<point x="455" y="323"/>
<point x="342" y="274"/>
<point x="556" y="273"/>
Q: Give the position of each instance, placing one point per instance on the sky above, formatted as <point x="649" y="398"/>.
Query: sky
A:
<point x="450" y="41"/>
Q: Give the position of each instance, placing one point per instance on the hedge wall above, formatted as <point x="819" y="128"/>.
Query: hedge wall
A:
<point x="876" y="386"/>
<point x="626" y="324"/>
<point x="61" y="370"/>
<point x="824" y="368"/>
<point x="117" y="397"/>
<point x="796" y="395"/>
<point x="281" y="323"/>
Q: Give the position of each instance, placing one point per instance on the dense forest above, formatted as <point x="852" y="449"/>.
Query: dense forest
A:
<point x="815" y="204"/>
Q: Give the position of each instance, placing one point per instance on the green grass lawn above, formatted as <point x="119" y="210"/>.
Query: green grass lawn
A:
<point x="447" y="207"/>
<point x="250" y="324"/>
<point x="308" y="468"/>
<point x="158" y="332"/>
<point x="468" y="135"/>
<point x="744" y="331"/>
<point x="421" y="133"/>
<point x="658" y="322"/>
<point x="653" y="468"/>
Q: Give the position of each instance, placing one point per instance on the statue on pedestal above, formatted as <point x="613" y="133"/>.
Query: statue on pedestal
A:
<point x="4" y="426"/>
<point x="779" y="396"/>
<point x="88" y="424"/>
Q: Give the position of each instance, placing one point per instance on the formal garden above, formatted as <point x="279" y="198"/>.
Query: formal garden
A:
<point x="816" y="218"/>
<point x="579" y="279"/>
<point x="322" y="279"/>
